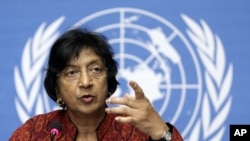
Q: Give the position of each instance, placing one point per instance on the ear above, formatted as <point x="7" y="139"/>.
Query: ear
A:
<point x="58" y="95"/>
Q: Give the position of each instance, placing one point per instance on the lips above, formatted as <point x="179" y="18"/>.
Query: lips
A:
<point x="87" y="98"/>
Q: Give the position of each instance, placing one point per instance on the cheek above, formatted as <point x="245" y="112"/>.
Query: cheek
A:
<point x="68" y="94"/>
<point x="101" y="88"/>
<point x="65" y="89"/>
<point x="104" y="85"/>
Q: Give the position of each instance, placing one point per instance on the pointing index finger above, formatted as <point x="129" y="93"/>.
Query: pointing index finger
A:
<point x="138" y="91"/>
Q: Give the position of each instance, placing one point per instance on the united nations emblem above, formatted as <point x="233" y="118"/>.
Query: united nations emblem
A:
<point x="185" y="75"/>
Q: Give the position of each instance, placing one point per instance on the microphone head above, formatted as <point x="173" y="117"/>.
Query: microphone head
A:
<point x="55" y="127"/>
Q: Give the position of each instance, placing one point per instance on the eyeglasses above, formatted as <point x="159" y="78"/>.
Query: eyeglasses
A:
<point x="72" y="73"/>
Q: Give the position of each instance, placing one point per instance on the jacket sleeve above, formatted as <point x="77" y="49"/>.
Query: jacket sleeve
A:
<point x="176" y="136"/>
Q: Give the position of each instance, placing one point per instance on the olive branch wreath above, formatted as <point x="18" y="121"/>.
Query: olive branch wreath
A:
<point x="29" y="77"/>
<point x="217" y="101"/>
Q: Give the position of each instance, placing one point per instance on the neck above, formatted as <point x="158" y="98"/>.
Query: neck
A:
<point x="87" y="123"/>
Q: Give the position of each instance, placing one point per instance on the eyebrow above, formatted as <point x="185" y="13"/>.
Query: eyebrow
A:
<point x="95" y="61"/>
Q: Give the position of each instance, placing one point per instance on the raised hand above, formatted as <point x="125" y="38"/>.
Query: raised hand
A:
<point x="138" y="111"/>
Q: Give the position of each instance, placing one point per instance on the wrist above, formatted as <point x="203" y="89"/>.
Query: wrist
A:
<point x="167" y="136"/>
<point x="160" y="133"/>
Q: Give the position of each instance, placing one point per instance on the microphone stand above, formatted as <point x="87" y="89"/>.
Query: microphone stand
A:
<point x="52" y="136"/>
<point x="55" y="129"/>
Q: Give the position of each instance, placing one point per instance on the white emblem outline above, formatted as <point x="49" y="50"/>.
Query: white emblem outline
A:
<point x="210" y="49"/>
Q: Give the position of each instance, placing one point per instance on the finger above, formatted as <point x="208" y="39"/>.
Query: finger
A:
<point x="129" y="96"/>
<point x="138" y="91"/>
<point x="117" y="100"/>
<point x="124" y="119"/>
<point x="122" y="110"/>
<point x="126" y="100"/>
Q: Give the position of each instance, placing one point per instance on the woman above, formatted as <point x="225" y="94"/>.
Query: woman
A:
<point x="81" y="77"/>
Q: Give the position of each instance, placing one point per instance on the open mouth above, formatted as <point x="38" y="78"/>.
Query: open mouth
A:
<point x="87" y="98"/>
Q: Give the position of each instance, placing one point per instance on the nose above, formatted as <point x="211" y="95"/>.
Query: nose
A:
<point x="85" y="79"/>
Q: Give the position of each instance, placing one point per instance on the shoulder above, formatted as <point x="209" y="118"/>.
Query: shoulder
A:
<point x="53" y="115"/>
<point x="38" y="123"/>
<point x="43" y="118"/>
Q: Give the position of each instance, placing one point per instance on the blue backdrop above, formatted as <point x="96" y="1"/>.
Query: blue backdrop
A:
<point x="191" y="58"/>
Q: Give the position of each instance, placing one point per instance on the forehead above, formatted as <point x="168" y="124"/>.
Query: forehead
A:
<point x="86" y="56"/>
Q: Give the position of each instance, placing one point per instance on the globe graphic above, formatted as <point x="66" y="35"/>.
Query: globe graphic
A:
<point x="154" y="53"/>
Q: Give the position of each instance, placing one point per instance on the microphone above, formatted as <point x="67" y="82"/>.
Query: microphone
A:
<point x="55" y="128"/>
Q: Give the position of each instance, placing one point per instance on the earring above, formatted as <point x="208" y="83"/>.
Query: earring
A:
<point x="60" y="102"/>
<point x="109" y="94"/>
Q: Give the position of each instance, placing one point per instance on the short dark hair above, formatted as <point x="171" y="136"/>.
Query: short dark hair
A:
<point x="68" y="46"/>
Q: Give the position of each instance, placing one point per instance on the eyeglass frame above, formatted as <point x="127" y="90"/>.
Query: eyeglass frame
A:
<point x="79" y="73"/>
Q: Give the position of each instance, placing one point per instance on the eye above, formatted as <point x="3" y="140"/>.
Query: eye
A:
<point x="96" y="69"/>
<point x="70" y="72"/>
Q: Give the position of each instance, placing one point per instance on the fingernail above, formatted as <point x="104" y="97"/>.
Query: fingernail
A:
<point x="133" y="83"/>
<point x="108" y="110"/>
<point x="117" y="118"/>
<point x="108" y="100"/>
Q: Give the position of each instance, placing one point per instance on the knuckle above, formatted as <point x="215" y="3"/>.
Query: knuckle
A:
<point x="124" y="110"/>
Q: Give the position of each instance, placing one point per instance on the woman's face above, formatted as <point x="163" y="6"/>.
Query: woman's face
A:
<point x="83" y="84"/>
